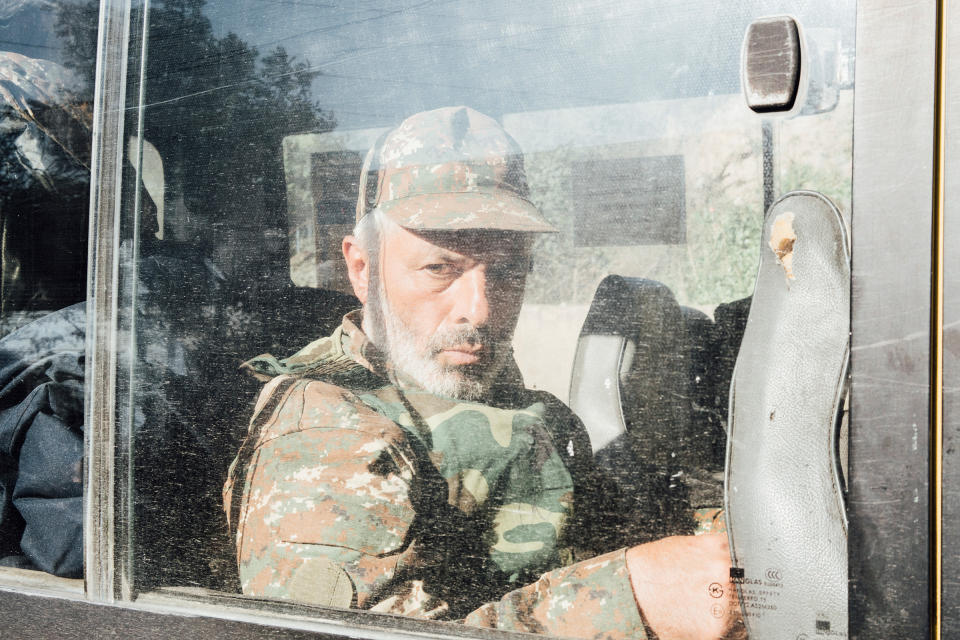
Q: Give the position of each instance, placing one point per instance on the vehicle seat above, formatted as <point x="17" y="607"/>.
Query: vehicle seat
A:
<point x="643" y="385"/>
<point x="785" y="507"/>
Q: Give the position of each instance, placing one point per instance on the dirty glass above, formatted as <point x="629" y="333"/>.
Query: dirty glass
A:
<point x="46" y="95"/>
<point x="249" y="124"/>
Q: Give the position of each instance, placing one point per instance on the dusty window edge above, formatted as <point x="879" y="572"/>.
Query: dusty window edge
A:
<point x="27" y="580"/>
<point x="354" y="623"/>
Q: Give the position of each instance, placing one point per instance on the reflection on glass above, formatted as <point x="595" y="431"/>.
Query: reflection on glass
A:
<point x="400" y="465"/>
<point x="638" y="150"/>
<point x="46" y="68"/>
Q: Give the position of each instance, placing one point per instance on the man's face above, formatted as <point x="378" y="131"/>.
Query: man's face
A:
<point x="448" y="304"/>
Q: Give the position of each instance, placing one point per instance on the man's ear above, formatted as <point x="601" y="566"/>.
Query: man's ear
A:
<point x="358" y="267"/>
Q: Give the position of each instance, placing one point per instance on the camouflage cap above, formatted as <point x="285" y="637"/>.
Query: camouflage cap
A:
<point x="448" y="169"/>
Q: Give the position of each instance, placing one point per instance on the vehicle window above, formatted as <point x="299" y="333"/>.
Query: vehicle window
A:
<point x="621" y="193"/>
<point x="46" y="96"/>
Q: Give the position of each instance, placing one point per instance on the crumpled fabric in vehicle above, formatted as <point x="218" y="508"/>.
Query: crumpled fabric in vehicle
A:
<point x="41" y="444"/>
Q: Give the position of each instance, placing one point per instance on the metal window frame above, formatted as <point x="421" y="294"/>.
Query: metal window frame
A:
<point x="894" y="455"/>
<point x="100" y="479"/>
<point x="949" y="192"/>
<point x="892" y="355"/>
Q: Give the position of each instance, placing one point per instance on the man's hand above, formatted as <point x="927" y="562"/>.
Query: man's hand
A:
<point x="682" y="585"/>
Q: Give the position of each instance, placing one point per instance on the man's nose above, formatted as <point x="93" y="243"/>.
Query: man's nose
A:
<point x="471" y="304"/>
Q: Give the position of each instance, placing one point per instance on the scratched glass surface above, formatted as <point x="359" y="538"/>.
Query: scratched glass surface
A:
<point x="638" y="147"/>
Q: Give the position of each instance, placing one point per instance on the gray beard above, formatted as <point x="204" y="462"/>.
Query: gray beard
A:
<point x="417" y="357"/>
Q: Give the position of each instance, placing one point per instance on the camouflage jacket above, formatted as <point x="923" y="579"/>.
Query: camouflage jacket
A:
<point x="354" y="488"/>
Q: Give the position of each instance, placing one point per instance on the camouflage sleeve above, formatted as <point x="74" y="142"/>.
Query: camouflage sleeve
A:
<point x="325" y="506"/>
<point x="590" y="599"/>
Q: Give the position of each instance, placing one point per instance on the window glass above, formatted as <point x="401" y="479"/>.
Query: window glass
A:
<point x="643" y="187"/>
<point x="47" y="57"/>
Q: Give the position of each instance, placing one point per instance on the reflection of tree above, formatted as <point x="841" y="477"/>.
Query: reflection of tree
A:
<point x="217" y="111"/>
<point x="716" y="263"/>
<point x="550" y="175"/>
<point x="831" y="181"/>
<point x="77" y="29"/>
<point x="723" y="232"/>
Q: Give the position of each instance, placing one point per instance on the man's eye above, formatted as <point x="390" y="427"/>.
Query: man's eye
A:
<point x="442" y="269"/>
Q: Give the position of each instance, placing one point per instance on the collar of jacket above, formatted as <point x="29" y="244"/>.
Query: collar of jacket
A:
<point x="349" y="347"/>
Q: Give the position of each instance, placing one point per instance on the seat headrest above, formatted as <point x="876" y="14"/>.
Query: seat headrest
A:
<point x="632" y="307"/>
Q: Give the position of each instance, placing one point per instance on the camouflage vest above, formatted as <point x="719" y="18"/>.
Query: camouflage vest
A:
<point x="502" y="460"/>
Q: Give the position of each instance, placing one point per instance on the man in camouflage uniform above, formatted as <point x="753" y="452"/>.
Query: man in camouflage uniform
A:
<point x="399" y="465"/>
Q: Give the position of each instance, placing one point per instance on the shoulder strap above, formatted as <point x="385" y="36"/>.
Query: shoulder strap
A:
<point x="344" y="371"/>
<point x="249" y="446"/>
<point x="340" y="370"/>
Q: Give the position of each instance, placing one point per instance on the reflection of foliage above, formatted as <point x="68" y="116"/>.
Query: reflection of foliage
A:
<point x="77" y="28"/>
<point x="724" y="216"/>
<point x="11" y="169"/>
<point x="722" y="251"/>
<point x="561" y="272"/>
<point x="217" y="111"/>
<point x="717" y="264"/>
<point x="724" y="230"/>
<point x="833" y="184"/>
<point x="724" y="220"/>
